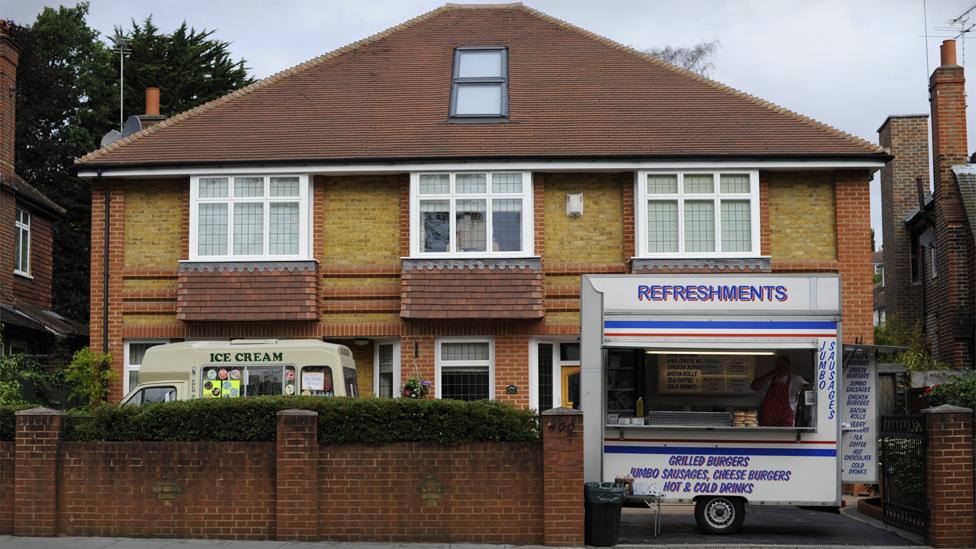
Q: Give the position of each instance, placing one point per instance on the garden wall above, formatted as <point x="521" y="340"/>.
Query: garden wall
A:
<point x="295" y="488"/>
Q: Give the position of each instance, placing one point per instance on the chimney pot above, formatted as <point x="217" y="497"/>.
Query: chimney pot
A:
<point x="152" y="101"/>
<point x="948" y="50"/>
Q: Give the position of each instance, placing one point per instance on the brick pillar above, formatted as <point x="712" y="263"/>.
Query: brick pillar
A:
<point x="852" y="198"/>
<point x="296" y="475"/>
<point x="562" y="483"/>
<point x="949" y="476"/>
<point x="36" y="444"/>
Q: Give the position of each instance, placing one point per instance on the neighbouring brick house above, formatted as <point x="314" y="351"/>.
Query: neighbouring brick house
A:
<point x="929" y="260"/>
<point x="430" y="195"/>
<point x="27" y="322"/>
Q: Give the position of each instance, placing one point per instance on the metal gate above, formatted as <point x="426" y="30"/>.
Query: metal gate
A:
<point x="903" y="443"/>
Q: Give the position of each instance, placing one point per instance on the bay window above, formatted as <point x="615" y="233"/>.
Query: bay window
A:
<point x="249" y="217"/>
<point x="698" y="214"/>
<point x="483" y="214"/>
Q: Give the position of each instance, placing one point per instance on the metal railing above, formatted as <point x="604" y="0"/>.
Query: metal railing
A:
<point x="903" y="442"/>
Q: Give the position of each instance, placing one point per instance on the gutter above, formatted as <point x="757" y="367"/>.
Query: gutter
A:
<point x="81" y="168"/>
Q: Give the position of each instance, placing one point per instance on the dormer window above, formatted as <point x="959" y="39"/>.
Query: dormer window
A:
<point x="480" y="83"/>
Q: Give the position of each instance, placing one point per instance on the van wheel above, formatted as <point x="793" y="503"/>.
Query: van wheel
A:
<point x="719" y="515"/>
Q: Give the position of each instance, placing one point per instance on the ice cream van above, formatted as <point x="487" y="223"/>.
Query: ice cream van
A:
<point x="244" y="368"/>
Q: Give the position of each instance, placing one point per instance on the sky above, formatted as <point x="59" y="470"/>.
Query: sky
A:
<point x="846" y="63"/>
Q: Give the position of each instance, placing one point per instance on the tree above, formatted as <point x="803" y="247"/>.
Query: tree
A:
<point x="188" y="66"/>
<point x="67" y="99"/>
<point x="697" y="58"/>
<point x="65" y="85"/>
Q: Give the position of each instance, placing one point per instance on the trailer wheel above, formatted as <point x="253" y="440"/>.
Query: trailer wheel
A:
<point x="719" y="514"/>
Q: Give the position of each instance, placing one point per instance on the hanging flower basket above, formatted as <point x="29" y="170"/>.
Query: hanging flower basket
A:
<point x="416" y="387"/>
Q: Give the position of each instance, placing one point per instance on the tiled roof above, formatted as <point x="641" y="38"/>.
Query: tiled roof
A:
<point x="572" y="94"/>
<point x="27" y="192"/>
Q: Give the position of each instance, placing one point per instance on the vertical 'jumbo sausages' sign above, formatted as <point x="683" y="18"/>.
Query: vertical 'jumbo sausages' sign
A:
<point x="859" y="418"/>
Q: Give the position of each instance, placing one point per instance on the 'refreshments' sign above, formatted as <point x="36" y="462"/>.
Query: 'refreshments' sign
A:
<point x="246" y="357"/>
<point x="718" y="293"/>
<point x="710" y="292"/>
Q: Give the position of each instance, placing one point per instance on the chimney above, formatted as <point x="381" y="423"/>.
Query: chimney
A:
<point x="947" y="95"/>
<point x="152" y="116"/>
<point x="907" y="139"/>
<point x="152" y="101"/>
<point x="9" y="57"/>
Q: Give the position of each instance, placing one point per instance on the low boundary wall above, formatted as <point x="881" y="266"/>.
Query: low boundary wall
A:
<point x="295" y="488"/>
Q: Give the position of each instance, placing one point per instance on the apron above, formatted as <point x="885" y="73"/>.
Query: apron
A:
<point x="776" y="409"/>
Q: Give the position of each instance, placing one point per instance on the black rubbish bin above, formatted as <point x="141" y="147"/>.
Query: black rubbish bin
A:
<point x="603" y="502"/>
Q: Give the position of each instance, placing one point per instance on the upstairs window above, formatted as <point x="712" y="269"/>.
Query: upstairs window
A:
<point x="480" y="83"/>
<point x="22" y="242"/>
<point x="479" y="214"/>
<point x="698" y="214"/>
<point x="249" y="218"/>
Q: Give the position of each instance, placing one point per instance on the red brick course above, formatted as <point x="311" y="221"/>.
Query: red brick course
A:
<point x="563" y="473"/>
<point x="36" y="449"/>
<point x="6" y="487"/>
<point x="296" y="468"/>
<point x="853" y="201"/>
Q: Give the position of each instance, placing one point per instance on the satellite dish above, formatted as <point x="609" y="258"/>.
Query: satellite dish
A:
<point x="111" y="137"/>
<point x="131" y="126"/>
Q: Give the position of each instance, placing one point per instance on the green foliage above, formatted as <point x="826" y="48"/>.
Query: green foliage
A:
<point x="189" y="67"/>
<point x="917" y="357"/>
<point x="341" y="421"/>
<point x="68" y="98"/>
<point x="90" y="374"/>
<point x="8" y="422"/>
<point x="26" y="380"/>
<point x="958" y="391"/>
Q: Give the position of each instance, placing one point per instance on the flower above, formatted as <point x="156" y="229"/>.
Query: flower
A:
<point x="416" y="387"/>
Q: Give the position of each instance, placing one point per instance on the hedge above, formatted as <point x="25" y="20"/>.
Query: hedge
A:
<point x="340" y="421"/>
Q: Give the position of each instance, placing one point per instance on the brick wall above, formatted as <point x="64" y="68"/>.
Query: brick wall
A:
<point x="802" y="217"/>
<point x="519" y="493"/>
<point x="154" y="224"/>
<point x="907" y="139"/>
<point x="8" y="213"/>
<point x="853" y="203"/>
<point x="6" y="487"/>
<point x="9" y="58"/>
<point x="467" y="493"/>
<point x="598" y="235"/>
<point x="157" y="489"/>
<point x="37" y="289"/>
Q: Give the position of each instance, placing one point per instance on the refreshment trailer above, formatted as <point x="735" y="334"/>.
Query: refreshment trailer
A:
<point x="724" y="390"/>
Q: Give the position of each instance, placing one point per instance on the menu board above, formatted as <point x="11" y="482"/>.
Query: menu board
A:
<point x="705" y="374"/>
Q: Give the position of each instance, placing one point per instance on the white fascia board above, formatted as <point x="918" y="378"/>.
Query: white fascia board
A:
<point x="531" y="166"/>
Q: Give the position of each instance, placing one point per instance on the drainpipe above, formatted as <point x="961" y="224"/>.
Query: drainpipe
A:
<point x="105" y="264"/>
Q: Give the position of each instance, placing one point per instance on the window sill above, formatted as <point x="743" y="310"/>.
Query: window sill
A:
<point x="22" y="274"/>
<point x="692" y="264"/>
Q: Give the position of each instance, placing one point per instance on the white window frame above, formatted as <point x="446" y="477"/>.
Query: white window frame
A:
<point x="528" y="214"/>
<point x="24" y="235"/>
<point x="304" y="218"/>
<point x="126" y="367"/>
<point x="439" y="363"/>
<point x="640" y="212"/>
<point x="397" y="393"/>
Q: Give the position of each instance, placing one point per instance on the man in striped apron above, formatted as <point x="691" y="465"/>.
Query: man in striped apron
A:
<point x="782" y="392"/>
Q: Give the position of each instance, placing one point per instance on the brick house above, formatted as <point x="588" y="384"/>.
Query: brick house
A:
<point x="27" y="323"/>
<point x="430" y="195"/>
<point x="929" y="253"/>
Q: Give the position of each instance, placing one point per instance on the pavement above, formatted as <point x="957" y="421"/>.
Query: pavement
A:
<point x="764" y="528"/>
